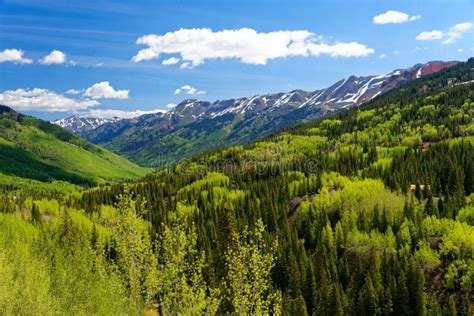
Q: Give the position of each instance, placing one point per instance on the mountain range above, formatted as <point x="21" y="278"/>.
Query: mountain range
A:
<point x="194" y="126"/>
<point x="79" y="124"/>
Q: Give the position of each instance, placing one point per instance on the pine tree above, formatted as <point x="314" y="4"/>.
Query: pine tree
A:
<point x="416" y="289"/>
<point x="368" y="298"/>
<point x="450" y="307"/>
<point x="402" y="305"/>
<point x="297" y="306"/>
<point x="36" y="214"/>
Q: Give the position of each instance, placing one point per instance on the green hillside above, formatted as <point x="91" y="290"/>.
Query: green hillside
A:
<point x="34" y="149"/>
<point x="367" y="212"/>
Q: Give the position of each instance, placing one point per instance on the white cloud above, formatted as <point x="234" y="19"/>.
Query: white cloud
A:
<point x="351" y="49"/>
<point x="418" y="48"/>
<point x="247" y="45"/>
<point x="73" y="91"/>
<point x="55" y="57"/>
<point x="171" y="105"/>
<point x="189" y="90"/>
<point x="107" y="113"/>
<point x="456" y="32"/>
<point x="392" y="16"/>
<point x="383" y="55"/>
<point x="429" y="35"/>
<point x="103" y="90"/>
<point x="42" y="100"/>
<point x="185" y="65"/>
<point x="450" y="36"/>
<point x="460" y="50"/>
<point x="171" y="61"/>
<point x="15" y="56"/>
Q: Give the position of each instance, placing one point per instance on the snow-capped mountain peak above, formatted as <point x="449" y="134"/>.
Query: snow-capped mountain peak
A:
<point x="78" y="124"/>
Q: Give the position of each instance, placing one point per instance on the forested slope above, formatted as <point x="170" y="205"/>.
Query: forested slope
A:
<point x="37" y="150"/>
<point x="367" y="212"/>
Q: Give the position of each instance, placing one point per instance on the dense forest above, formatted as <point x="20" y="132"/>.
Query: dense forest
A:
<point x="367" y="212"/>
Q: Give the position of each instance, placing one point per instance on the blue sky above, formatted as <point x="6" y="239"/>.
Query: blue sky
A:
<point x="94" y="44"/>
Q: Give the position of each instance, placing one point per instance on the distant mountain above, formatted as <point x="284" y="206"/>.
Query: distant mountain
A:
<point x="38" y="150"/>
<point x="193" y="125"/>
<point x="78" y="124"/>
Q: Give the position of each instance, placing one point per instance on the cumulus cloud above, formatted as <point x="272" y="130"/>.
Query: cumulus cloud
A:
<point x="42" y="100"/>
<point x="171" y="61"/>
<point x="15" y="56"/>
<point x="395" y="17"/>
<point x="107" y="113"/>
<point x="103" y="90"/>
<point x="450" y="36"/>
<point x="189" y="90"/>
<point x="247" y="45"/>
<point x="429" y="35"/>
<point x="54" y="57"/>
<point x="456" y="32"/>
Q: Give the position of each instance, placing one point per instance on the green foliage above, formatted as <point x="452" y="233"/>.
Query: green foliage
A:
<point x="181" y="287"/>
<point x="466" y="215"/>
<point x="135" y="258"/>
<point x="35" y="149"/>
<point x="249" y="261"/>
<point x="427" y="256"/>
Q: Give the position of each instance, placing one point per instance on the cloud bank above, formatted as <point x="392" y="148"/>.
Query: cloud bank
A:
<point x="118" y="113"/>
<point x="195" y="46"/>
<point x="42" y="100"/>
<point x="38" y="99"/>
